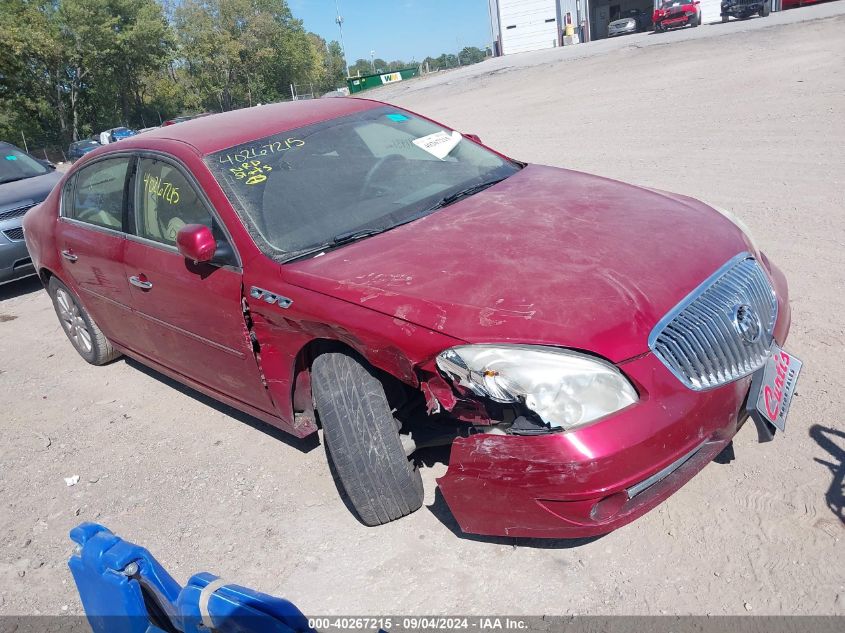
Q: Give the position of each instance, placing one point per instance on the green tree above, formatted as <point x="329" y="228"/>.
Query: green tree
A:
<point x="240" y="52"/>
<point x="361" y="67"/>
<point x="331" y="60"/>
<point x="68" y="60"/>
<point x="336" y="66"/>
<point x="471" y="55"/>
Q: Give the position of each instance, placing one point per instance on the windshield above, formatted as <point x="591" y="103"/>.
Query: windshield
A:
<point x="84" y="144"/>
<point x="306" y="188"/>
<point x="671" y="3"/>
<point x="17" y="165"/>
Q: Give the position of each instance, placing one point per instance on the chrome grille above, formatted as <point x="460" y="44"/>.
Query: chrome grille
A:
<point x="15" y="213"/>
<point x="699" y="340"/>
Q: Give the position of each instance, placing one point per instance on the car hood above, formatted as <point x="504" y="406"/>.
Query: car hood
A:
<point x="548" y="256"/>
<point x="27" y="191"/>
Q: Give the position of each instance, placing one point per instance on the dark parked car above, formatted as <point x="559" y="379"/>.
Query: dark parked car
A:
<point x="630" y="21"/>
<point x="78" y="149"/>
<point x="24" y="182"/>
<point x="586" y="346"/>
<point x="743" y="9"/>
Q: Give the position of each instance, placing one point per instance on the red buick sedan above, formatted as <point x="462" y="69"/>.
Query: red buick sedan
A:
<point x="585" y="346"/>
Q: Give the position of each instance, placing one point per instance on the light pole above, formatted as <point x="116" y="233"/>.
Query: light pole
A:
<point x="339" y="21"/>
<point x="373" y="60"/>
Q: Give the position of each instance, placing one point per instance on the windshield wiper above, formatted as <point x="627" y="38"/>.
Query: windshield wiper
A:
<point x="463" y="193"/>
<point x="351" y="236"/>
<point x="337" y="240"/>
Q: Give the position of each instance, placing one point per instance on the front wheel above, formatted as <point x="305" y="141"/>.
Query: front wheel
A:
<point x="765" y="10"/>
<point x="79" y="327"/>
<point x="362" y="439"/>
<point x="725" y="18"/>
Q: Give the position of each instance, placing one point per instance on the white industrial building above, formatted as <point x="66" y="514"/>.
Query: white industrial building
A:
<point x="529" y="25"/>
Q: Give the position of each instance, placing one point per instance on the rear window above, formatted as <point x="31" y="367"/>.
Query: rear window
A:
<point x="98" y="193"/>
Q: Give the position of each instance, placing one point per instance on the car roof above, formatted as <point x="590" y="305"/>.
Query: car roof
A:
<point x="209" y="134"/>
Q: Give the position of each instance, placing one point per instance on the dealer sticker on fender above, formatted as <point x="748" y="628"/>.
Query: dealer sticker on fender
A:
<point x="779" y="377"/>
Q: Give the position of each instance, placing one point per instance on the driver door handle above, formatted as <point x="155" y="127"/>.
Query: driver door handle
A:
<point x="68" y="255"/>
<point x="140" y="282"/>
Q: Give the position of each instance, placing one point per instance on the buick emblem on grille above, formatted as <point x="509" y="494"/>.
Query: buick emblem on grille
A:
<point x="747" y="323"/>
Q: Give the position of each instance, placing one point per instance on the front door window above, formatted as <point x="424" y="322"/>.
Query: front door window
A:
<point x="165" y="202"/>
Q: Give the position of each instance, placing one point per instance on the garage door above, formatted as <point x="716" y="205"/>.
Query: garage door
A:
<point x="711" y="11"/>
<point x="527" y="25"/>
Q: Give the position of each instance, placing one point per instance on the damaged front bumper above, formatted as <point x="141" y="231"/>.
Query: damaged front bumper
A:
<point x="675" y="22"/>
<point x="593" y="480"/>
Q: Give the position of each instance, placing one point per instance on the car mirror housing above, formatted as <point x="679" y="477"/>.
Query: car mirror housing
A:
<point x="196" y="242"/>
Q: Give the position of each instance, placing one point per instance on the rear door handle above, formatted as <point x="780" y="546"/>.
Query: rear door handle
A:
<point x="141" y="283"/>
<point x="68" y="255"/>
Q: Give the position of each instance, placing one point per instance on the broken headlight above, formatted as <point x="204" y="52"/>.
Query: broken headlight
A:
<point x="565" y="389"/>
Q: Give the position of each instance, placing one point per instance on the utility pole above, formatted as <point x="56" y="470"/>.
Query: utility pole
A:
<point x="373" y="61"/>
<point x="339" y="21"/>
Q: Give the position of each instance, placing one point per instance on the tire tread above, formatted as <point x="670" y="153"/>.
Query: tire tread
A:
<point x="362" y="440"/>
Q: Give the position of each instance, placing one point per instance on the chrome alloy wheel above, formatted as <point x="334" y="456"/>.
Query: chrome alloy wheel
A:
<point x="72" y="322"/>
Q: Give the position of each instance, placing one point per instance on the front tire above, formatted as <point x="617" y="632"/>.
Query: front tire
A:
<point x="765" y="10"/>
<point x="87" y="339"/>
<point x="362" y="439"/>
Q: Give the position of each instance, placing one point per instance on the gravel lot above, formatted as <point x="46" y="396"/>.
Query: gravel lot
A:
<point x="746" y="116"/>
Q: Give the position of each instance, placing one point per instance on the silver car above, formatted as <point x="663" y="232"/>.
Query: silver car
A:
<point x="631" y="21"/>
<point x="24" y="182"/>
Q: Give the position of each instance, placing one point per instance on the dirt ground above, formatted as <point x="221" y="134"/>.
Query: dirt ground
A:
<point x="750" y="119"/>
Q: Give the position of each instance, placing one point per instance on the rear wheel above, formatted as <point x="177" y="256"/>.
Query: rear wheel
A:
<point x="79" y="327"/>
<point x="696" y="20"/>
<point x="725" y="18"/>
<point x="362" y="438"/>
<point x="765" y="10"/>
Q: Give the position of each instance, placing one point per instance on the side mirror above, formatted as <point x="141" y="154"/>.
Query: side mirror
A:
<point x="473" y="137"/>
<point x="195" y="242"/>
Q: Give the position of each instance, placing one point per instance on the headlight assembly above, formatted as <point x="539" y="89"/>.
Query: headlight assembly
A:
<point x="566" y="389"/>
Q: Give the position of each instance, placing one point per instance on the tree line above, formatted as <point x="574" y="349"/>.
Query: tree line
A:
<point x="468" y="55"/>
<point x="72" y="68"/>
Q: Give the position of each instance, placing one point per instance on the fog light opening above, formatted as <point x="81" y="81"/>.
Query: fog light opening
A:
<point x="608" y="507"/>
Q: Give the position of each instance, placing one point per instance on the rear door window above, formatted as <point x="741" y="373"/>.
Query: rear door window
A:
<point x="98" y="193"/>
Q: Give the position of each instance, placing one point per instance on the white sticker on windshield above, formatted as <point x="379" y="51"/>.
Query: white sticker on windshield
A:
<point x="439" y="144"/>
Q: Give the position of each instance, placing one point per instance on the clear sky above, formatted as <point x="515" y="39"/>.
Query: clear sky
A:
<point x="398" y="29"/>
